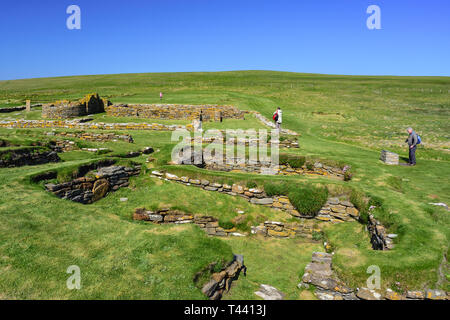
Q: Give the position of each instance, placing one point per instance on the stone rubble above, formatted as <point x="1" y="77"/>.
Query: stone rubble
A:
<point x="220" y="282"/>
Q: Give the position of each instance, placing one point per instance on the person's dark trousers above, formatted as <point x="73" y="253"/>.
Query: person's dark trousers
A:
<point x="412" y="155"/>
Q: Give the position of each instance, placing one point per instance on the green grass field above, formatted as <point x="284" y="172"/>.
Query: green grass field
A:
<point x="348" y="119"/>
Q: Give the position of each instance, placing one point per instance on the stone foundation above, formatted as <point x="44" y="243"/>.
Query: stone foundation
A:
<point x="320" y="274"/>
<point x="303" y="229"/>
<point x="242" y="165"/>
<point x="163" y="216"/>
<point x="92" y="187"/>
<point x="19" y="124"/>
<point x="336" y="210"/>
<point x="96" y="137"/>
<point x="259" y="197"/>
<point x="26" y="156"/>
<point x="175" y="111"/>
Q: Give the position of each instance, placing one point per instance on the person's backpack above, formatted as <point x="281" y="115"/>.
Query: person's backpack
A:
<point x="419" y="139"/>
<point x="275" y="116"/>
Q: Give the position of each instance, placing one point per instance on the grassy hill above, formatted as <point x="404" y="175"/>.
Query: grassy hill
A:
<point x="342" y="118"/>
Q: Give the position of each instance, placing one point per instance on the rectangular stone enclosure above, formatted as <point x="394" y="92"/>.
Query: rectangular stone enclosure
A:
<point x="389" y="157"/>
<point x="176" y="111"/>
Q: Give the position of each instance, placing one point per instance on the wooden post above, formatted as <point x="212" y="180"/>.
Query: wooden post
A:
<point x="28" y="105"/>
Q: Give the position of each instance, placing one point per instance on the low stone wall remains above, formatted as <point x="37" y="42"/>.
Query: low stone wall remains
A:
<point x="19" y="124"/>
<point x="176" y="111"/>
<point x="18" y="108"/>
<point x="244" y="165"/>
<point x="26" y="157"/>
<point x="163" y="216"/>
<point x="320" y="274"/>
<point x="90" y="188"/>
<point x="276" y="229"/>
<point x="96" y="137"/>
<point x="336" y="210"/>
<point x="259" y="197"/>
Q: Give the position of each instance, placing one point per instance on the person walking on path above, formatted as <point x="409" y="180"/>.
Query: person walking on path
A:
<point x="412" y="141"/>
<point x="160" y="96"/>
<point x="278" y="118"/>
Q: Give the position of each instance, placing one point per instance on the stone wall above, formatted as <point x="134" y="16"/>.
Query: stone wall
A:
<point x="321" y="275"/>
<point x="220" y="282"/>
<point x="336" y="210"/>
<point x="286" y="143"/>
<point x="90" y="104"/>
<point x="379" y="238"/>
<point x="19" y="124"/>
<point x="96" y="137"/>
<point x="63" y="146"/>
<point x="243" y="165"/>
<point x="92" y="187"/>
<point x="277" y="229"/>
<point x="26" y="156"/>
<point x="19" y="108"/>
<point x="176" y="111"/>
<point x="163" y="216"/>
<point x="211" y="226"/>
<point x="259" y="197"/>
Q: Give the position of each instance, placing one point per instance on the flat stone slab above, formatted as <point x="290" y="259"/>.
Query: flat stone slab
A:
<point x="269" y="293"/>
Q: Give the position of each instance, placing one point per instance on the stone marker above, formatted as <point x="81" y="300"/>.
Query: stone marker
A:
<point x="28" y="105"/>
<point x="389" y="157"/>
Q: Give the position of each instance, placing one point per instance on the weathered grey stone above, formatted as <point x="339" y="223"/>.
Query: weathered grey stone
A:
<point x="368" y="294"/>
<point x="269" y="293"/>
<point x="263" y="201"/>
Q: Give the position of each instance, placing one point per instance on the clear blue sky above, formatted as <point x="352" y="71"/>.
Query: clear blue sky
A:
<point x="314" y="36"/>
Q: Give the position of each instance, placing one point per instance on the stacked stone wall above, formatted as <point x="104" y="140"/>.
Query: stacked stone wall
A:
<point x="26" y="156"/>
<point x="20" y="124"/>
<point x="90" y="188"/>
<point x="176" y="111"/>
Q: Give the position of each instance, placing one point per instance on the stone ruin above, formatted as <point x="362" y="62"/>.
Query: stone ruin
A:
<point x="26" y="156"/>
<point x="220" y="282"/>
<point x="88" y="188"/>
<point x="90" y="104"/>
<point x="176" y="111"/>
<point x="320" y="274"/>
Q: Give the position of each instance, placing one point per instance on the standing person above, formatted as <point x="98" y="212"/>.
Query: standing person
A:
<point x="277" y="116"/>
<point x="160" y="96"/>
<point x="412" y="141"/>
<point x="201" y="120"/>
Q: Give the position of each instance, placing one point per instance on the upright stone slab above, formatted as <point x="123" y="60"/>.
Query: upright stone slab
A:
<point x="389" y="157"/>
<point x="28" y="105"/>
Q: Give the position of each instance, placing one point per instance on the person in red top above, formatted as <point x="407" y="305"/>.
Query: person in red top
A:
<point x="277" y="117"/>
